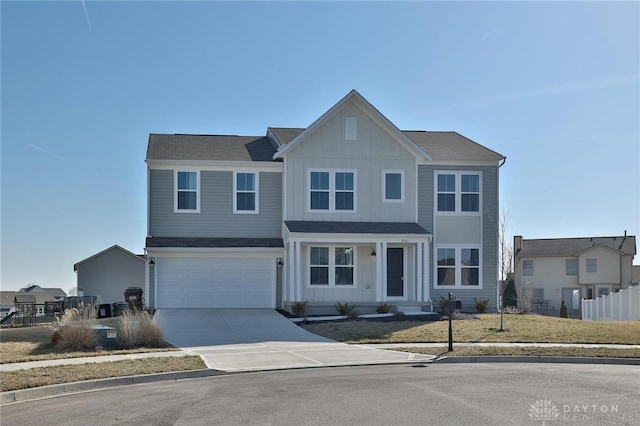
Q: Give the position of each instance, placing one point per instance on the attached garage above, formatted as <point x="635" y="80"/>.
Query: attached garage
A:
<point x="215" y="282"/>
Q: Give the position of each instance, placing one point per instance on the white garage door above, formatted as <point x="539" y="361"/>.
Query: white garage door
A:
<point x="215" y="283"/>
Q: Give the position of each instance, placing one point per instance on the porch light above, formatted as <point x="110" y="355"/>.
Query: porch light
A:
<point x="280" y="262"/>
<point x="152" y="262"/>
<point x="373" y="253"/>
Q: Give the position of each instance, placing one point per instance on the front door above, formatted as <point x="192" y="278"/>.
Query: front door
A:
<point x="395" y="272"/>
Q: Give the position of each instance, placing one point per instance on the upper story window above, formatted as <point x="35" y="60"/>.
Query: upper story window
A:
<point x="393" y="186"/>
<point x="245" y="199"/>
<point x="571" y="267"/>
<point x="592" y="265"/>
<point x="458" y="192"/>
<point x="527" y="267"/>
<point x="332" y="190"/>
<point x="458" y="267"/>
<point x="187" y="192"/>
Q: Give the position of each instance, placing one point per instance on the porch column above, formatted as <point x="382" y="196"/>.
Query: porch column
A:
<point x="425" y="276"/>
<point x="383" y="260"/>
<point x="291" y="268"/>
<point x="298" y="273"/>
<point x="419" y="265"/>
<point x="379" y="296"/>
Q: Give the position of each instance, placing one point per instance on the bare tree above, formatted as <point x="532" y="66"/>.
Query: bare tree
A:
<point x="73" y="291"/>
<point x="505" y="259"/>
<point x="525" y="298"/>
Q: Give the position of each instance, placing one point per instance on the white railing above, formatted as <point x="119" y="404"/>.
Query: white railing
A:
<point x="621" y="306"/>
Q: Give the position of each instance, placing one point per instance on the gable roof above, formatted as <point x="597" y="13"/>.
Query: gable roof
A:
<point x="371" y="112"/>
<point x="113" y="247"/>
<point x="573" y="246"/>
<point x="445" y="146"/>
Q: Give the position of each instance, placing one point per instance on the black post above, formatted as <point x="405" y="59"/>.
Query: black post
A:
<point x="450" y="324"/>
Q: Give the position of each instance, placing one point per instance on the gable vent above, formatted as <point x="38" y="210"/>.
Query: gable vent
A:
<point x="351" y="128"/>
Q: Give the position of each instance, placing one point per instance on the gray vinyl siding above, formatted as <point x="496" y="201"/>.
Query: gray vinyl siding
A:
<point x="489" y="225"/>
<point x="373" y="151"/>
<point x="216" y="217"/>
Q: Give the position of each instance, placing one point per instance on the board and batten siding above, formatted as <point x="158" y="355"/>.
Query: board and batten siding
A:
<point x="454" y="229"/>
<point x="373" y="151"/>
<point x="216" y="218"/>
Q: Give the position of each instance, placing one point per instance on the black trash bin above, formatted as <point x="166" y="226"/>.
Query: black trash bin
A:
<point x="119" y="308"/>
<point x="104" y="311"/>
<point x="133" y="297"/>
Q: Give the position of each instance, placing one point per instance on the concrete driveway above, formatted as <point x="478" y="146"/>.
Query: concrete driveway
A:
<point x="262" y="339"/>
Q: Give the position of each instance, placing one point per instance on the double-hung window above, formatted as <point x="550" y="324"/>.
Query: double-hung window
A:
<point x="393" y="186"/>
<point x="592" y="265"/>
<point x="245" y="192"/>
<point x="331" y="266"/>
<point x="458" y="192"/>
<point x="187" y="193"/>
<point x="458" y="267"/>
<point x="571" y="267"/>
<point x="332" y="190"/>
<point x="527" y="268"/>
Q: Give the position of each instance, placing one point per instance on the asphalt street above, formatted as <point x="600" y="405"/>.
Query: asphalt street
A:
<point x="420" y="394"/>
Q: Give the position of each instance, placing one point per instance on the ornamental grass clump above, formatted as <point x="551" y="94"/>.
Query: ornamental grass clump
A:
<point x="137" y="329"/>
<point x="74" y="330"/>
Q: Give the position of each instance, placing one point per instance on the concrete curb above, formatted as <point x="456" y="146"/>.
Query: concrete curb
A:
<point x="538" y="359"/>
<point x="90" y="385"/>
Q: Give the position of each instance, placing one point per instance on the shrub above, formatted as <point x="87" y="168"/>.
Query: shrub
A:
<point x="564" y="311"/>
<point x="345" y="309"/>
<point x="481" y="305"/>
<point x="299" y="308"/>
<point x="137" y="329"/>
<point x="383" y="308"/>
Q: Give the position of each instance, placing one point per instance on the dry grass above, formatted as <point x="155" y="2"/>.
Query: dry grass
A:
<point x="526" y="351"/>
<point x="519" y="328"/>
<point x="137" y="329"/>
<point x="36" y="377"/>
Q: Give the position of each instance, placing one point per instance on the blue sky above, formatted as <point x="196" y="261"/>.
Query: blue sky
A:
<point x="553" y="86"/>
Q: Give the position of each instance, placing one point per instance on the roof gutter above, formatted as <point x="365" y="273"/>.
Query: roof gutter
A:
<point x="504" y="160"/>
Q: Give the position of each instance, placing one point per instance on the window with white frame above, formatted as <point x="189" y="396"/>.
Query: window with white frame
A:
<point x="245" y="190"/>
<point x="571" y="267"/>
<point x="527" y="267"/>
<point x="393" y="186"/>
<point x="332" y="190"/>
<point x="458" y="267"/>
<point x="458" y="192"/>
<point x="592" y="265"/>
<point x="187" y="194"/>
<point x="331" y="266"/>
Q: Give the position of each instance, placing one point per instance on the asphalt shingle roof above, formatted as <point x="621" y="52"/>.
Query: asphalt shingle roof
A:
<point x="573" y="246"/>
<point x="355" y="227"/>
<point x="184" y="242"/>
<point x="441" y="146"/>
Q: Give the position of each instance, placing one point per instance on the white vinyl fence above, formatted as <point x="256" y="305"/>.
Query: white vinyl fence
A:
<point x="621" y="306"/>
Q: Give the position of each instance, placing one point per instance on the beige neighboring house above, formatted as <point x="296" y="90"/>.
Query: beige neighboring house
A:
<point x="107" y="274"/>
<point x="39" y="295"/>
<point x="572" y="269"/>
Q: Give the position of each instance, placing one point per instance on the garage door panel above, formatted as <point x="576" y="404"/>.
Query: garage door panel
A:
<point x="215" y="283"/>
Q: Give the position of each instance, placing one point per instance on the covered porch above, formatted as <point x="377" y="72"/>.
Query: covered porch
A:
<point x="361" y="263"/>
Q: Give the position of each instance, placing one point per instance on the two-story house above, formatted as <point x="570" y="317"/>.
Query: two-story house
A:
<point x="349" y="209"/>
<point x="572" y="269"/>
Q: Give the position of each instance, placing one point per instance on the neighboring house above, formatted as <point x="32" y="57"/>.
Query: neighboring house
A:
<point x="40" y="297"/>
<point x="350" y="209"/>
<point x="108" y="274"/>
<point x="572" y="269"/>
<point x="635" y="275"/>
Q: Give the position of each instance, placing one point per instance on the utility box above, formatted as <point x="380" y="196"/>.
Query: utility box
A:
<point x="106" y="337"/>
<point x="104" y="311"/>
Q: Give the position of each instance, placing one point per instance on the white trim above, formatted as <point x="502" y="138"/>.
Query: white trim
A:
<point x="385" y="172"/>
<point x="332" y="190"/>
<point x="256" y="192"/>
<point x="220" y="166"/>
<point x="175" y="191"/>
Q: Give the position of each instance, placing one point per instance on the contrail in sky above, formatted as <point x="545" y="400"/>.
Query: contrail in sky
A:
<point x="47" y="152"/>
<point x="86" y="15"/>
